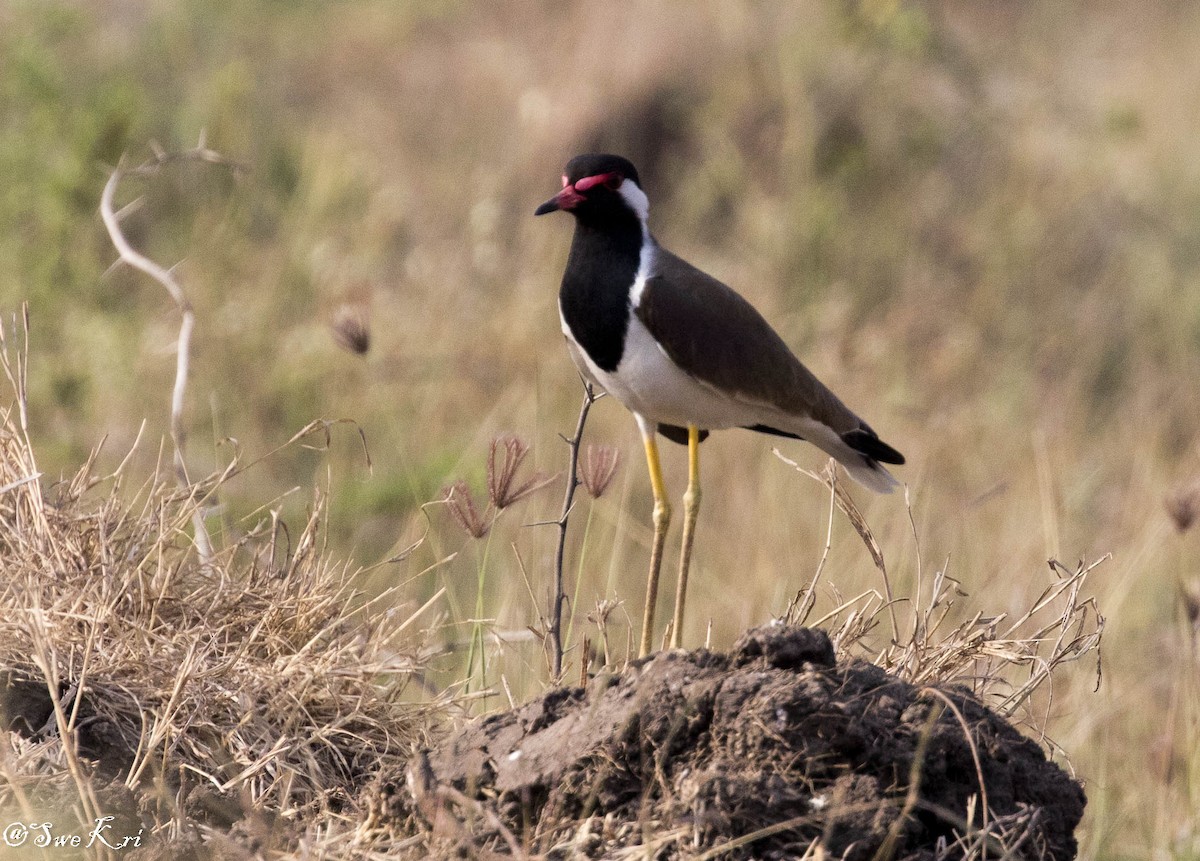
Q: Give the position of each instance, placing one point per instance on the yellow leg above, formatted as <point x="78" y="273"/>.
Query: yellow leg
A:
<point x="662" y="519"/>
<point x="691" y="507"/>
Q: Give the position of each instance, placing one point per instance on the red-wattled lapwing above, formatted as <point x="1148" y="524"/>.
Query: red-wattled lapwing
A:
<point x="684" y="353"/>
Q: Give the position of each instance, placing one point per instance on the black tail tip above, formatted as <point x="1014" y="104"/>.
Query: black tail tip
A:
<point x="865" y="442"/>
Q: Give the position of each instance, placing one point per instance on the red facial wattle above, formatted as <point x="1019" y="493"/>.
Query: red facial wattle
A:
<point x="572" y="194"/>
<point x="612" y="180"/>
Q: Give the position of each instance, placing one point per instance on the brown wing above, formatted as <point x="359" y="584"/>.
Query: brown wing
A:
<point x="720" y="338"/>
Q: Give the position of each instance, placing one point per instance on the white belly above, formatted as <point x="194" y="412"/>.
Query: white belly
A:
<point x="648" y="383"/>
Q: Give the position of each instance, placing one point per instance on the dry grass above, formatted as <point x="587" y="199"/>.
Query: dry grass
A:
<point x="936" y="644"/>
<point x="976" y="223"/>
<point x="253" y="689"/>
<point x="256" y="683"/>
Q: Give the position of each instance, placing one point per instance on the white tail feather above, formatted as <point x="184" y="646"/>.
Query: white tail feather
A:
<point x="869" y="473"/>
<point x="872" y="476"/>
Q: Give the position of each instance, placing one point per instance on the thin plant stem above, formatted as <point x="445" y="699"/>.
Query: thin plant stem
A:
<point x="554" y="631"/>
<point x="477" y="622"/>
<point x="587" y="530"/>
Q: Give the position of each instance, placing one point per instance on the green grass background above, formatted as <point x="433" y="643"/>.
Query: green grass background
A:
<point x="979" y="223"/>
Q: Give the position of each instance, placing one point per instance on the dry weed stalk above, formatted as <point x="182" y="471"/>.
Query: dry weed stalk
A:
<point x="558" y="598"/>
<point x="166" y="277"/>
<point x="848" y="507"/>
<point x="1059" y="626"/>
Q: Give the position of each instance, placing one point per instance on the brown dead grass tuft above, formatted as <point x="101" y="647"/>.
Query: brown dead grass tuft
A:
<point x="255" y="689"/>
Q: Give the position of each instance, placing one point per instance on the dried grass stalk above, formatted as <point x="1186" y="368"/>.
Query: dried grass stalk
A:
<point x="255" y="681"/>
<point x="1004" y="659"/>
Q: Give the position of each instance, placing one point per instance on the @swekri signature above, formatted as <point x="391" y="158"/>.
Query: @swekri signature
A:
<point x="44" y="835"/>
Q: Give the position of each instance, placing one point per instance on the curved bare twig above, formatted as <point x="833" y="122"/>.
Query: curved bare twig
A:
<point x="166" y="277"/>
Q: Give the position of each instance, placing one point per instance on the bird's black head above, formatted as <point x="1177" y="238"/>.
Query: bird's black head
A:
<point x="598" y="165"/>
<point x="596" y="187"/>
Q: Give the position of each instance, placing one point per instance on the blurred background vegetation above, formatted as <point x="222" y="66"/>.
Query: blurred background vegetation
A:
<point x="979" y="223"/>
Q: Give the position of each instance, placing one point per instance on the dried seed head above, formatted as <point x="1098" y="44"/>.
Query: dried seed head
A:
<point x="505" y="456"/>
<point x="1183" y="506"/>
<point x="1189" y="594"/>
<point x="351" y="330"/>
<point x="500" y="475"/>
<point x="597" y="468"/>
<point x="465" y="512"/>
<point x="603" y="609"/>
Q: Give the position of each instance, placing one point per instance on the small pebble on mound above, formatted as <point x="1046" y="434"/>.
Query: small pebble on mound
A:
<point x="763" y="752"/>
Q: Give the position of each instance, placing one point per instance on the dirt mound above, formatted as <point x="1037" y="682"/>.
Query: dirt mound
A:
<point x="762" y="752"/>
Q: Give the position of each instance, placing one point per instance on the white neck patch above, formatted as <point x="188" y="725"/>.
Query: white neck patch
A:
<point x="645" y="268"/>
<point x="636" y="198"/>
